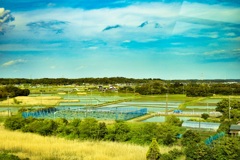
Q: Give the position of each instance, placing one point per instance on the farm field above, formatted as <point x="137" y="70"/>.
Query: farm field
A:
<point x="122" y="101"/>
<point x="36" y="147"/>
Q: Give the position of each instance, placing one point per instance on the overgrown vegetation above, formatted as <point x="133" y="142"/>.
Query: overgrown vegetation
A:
<point x="11" y="91"/>
<point x="192" y="142"/>
<point x="91" y="129"/>
<point x="192" y="88"/>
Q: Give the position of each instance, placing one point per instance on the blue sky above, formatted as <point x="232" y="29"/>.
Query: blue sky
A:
<point x="168" y="39"/>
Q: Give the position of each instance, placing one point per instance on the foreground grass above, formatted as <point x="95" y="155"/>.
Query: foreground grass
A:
<point x="36" y="147"/>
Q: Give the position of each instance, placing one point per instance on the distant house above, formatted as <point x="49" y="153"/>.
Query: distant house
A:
<point x="235" y="130"/>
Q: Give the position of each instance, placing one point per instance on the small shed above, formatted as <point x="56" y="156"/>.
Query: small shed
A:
<point x="235" y="130"/>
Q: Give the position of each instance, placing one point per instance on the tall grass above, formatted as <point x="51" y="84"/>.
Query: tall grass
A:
<point x="36" y="147"/>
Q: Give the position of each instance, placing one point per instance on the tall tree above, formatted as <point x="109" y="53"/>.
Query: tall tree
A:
<point x="153" y="151"/>
<point x="230" y="109"/>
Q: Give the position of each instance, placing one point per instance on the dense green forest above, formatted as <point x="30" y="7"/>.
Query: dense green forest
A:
<point x="103" y="81"/>
<point x="192" y="88"/>
<point x="11" y="91"/>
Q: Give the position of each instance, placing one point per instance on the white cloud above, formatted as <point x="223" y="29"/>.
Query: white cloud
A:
<point x="230" y="34"/>
<point x="85" y="24"/>
<point x="52" y="67"/>
<point x="27" y="47"/>
<point x="223" y="53"/>
<point x="5" y="18"/>
<point x="215" y="52"/>
<point x="13" y="62"/>
<point x="211" y="12"/>
<point x="51" y="4"/>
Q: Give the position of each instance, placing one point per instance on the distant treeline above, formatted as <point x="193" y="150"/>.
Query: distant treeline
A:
<point x="78" y="81"/>
<point x="12" y="91"/>
<point x="104" y="81"/>
<point x="190" y="89"/>
<point x="193" y="88"/>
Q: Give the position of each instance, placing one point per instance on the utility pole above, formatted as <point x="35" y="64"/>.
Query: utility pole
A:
<point x="8" y="106"/>
<point x="166" y="112"/>
<point x="41" y="100"/>
<point x="229" y="108"/>
<point x="166" y="104"/>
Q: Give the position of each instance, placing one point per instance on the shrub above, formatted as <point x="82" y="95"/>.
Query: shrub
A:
<point x="190" y="137"/>
<point x="171" y="155"/>
<point x="88" y="128"/>
<point x="153" y="151"/>
<point x="7" y="156"/>
<point x="205" y="116"/>
<point x="198" y="152"/>
<point x="122" y="131"/>
<point x="14" y="123"/>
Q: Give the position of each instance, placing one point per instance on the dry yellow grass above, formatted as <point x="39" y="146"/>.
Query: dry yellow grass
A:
<point x="37" y="147"/>
<point x="23" y="100"/>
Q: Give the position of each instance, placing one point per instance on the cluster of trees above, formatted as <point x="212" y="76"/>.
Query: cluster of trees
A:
<point x="190" y="89"/>
<point x="230" y="109"/>
<point x="194" y="88"/>
<point x="78" y="81"/>
<point x="91" y="129"/>
<point x="12" y="91"/>
<point x="104" y="80"/>
<point x="226" y="148"/>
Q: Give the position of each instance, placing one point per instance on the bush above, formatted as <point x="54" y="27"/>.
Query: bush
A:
<point x="14" y="123"/>
<point x="190" y="137"/>
<point x="198" y="152"/>
<point x="88" y="128"/>
<point x="205" y="116"/>
<point x="171" y="155"/>
<point x="7" y="156"/>
<point x="153" y="151"/>
<point x="122" y="131"/>
<point x="173" y="120"/>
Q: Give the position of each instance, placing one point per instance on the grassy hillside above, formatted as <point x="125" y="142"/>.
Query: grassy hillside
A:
<point x="36" y="147"/>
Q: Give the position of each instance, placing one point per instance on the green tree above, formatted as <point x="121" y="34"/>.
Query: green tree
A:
<point x="165" y="131"/>
<point x="121" y="131"/>
<point x="102" y="130"/>
<point x="169" y="139"/>
<point x="198" y="151"/>
<point x="88" y="128"/>
<point x="190" y="137"/>
<point x="227" y="149"/>
<point x="14" y="123"/>
<point x="205" y="116"/>
<point x="143" y="133"/>
<point x="173" y="120"/>
<point x="224" y="127"/>
<point x="153" y="152"/>
<point x="227" y="105"/>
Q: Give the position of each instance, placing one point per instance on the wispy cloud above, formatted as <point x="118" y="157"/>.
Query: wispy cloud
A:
<point x="52" y="26"/>
<point x="214" y="12"/>
<point x="111" y="27"/>
<point x="13" y="62"/>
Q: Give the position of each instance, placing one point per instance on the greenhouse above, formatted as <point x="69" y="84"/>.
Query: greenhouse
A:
<point x="113" y="113"/>
<point x="201" y="125"/>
